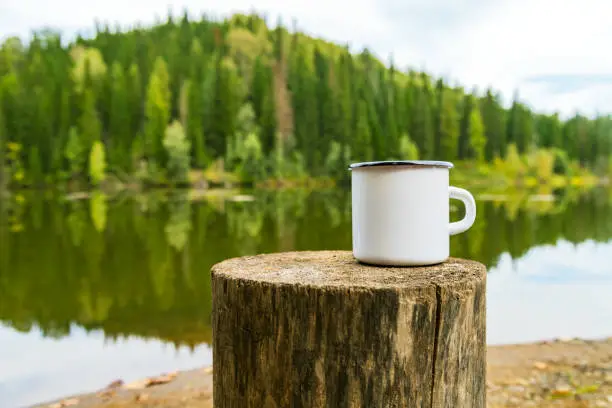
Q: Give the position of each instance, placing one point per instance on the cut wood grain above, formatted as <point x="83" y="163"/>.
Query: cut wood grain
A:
<point x="318" y="329"/>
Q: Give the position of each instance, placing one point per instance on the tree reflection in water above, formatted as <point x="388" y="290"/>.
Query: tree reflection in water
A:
<point x="140" y="265"/>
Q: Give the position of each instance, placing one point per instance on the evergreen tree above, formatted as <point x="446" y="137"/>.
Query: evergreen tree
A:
<point x="305" y="105"/>
<point x="90" y="128"/>
<point x="228" y="100"/>
<point x="463" y="150"/>
<point x="493" y="119"/>
<point x="343" y="100"/>
<point x="438" y="114"/>
<point x="477" y="138"/>
<point x="512" y="127"/>
<point x="119" y="129"/>
<point x="3" y="180"/>
<point x="64" y="123"/>
<point x="422" y="131"/>
<point x="391" y="127"/>
<point x="195" y="107"/>
<point x="325" y="101"/>
<point x="157" y="112"/>
<point x="135" y="100"/>
<point x="524" y="130"/>
<point x="263" y="103"/>
<point x="449" y="126"/>
<point x="363" y="136"/>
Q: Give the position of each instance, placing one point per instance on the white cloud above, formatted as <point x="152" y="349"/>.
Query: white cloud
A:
<point x="472" y="42"/>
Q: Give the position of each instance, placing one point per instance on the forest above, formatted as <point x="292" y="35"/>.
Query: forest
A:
<point x="174" y="102"/>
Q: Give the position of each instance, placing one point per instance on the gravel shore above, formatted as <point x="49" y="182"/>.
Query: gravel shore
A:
<point x="559" y="373"/>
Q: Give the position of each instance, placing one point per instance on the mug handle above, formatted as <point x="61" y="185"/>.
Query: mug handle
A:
<point x="470" y="210"/>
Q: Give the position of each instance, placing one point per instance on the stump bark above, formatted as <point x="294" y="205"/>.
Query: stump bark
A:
<point x="319" y="329"/>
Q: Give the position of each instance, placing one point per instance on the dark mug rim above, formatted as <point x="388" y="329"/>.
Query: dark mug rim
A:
<point x="414" y="163"/>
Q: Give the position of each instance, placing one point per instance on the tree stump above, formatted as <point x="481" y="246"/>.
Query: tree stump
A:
<point x="319" y="329"/>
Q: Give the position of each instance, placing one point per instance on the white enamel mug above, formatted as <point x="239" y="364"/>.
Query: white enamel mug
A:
<point x="401" y="212"/>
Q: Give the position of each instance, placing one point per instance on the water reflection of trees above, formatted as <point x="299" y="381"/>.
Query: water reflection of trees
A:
<point x="140" y="266"/>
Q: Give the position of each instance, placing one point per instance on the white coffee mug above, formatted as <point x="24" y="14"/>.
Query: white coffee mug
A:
<point x="401" y="212"/>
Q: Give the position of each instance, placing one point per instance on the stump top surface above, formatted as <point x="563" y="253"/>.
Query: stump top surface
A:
<point x="340" y="269"/>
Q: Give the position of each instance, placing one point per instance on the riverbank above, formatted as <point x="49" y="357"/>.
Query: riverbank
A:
<point x="568" y="373"/>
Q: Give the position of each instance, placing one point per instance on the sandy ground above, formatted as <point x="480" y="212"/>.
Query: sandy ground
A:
<point x="561" y="373"/>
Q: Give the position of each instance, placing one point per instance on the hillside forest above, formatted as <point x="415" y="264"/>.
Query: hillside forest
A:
<point x="185" y="100"/>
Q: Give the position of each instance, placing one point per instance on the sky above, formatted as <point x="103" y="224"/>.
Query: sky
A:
<point x="554" y="52"/>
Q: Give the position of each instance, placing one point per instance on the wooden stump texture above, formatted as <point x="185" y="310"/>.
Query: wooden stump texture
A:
<point x="319" y="329"/>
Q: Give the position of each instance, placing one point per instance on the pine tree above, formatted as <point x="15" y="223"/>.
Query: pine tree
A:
<point x="438" y="109"/>
<point x="305" y="104"/>
<point x="493" y="119"/>
<point x="512" y="126"/>
<point x="135" y="98"/>
<point x="345" y="114"/>
<point x="119" y="129"/>
<point x="362" y="145"/>
<point x="225" y="109"/>
<point x="477" y="139"/>
<point x="157" y="112"/>
<point x="548" y="129"/>
<point x="464" y="128"/>
<point x="63" y="127"/>
<point x="263" y="103"/>
<point x="195" y="107"/>
<point x="3" y="180"/>
<point x="34" y="166"/>
<point x="422" y="124"/>
<point x="449" y="126"/>
<point x="525" y="129"/>
<point x="90" y="128"/>
<point x="325" y="101"/>
<point x="391" y="127"/>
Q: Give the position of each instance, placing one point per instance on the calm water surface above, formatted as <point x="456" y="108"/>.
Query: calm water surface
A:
<point x="96" y="289"/>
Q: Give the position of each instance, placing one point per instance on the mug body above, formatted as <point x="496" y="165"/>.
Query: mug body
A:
<point x="400" y="213"/>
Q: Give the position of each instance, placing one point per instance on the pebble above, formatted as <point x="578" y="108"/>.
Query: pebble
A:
<point x="540" y="365"/>
<point x="142" y="397"/>
<point x="562" y="391"/>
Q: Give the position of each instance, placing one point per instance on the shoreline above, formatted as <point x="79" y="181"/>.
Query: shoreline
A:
<point x="557" y="373"/>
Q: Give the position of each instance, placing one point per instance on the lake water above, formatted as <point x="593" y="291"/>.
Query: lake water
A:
<point x="96" y="289"/>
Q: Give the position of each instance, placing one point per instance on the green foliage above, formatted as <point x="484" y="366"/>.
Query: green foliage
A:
<point x="34" y="166"/>
<point x="97" y="163"/>
<point x="449" y="126"/>
<point x="334" y="159"/>
<point x="363" y="138"/>
<point x="315" y="106"/>
<point x="250" y="157"/>
<point x="178" y="226"/>
<point x="98" y="210"/>
<point x="88" y="62"/>
<point x="407" y="149"/>
<point x="75" y="152"/>
<point x="90" y="128"/>
<point x="227" y="102"/>
<point x="195" y="107"/>
<point x="3" y="169"/>
<point x="157" y="111"/>
<point x="493" y="120"/>
<point x="542" y="163"/>
<point x="119" y="127"/>
<point x="422" y="126"/>
<point x="477" y="139"/>
<point x="562" y="163"/>
<point x="178" y="149"/>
